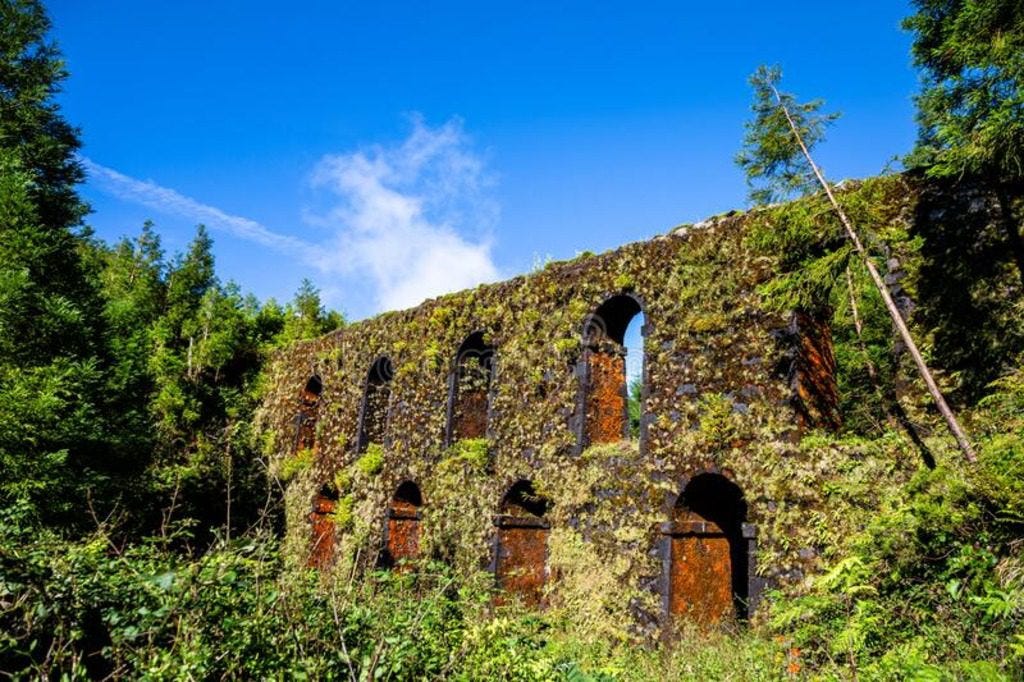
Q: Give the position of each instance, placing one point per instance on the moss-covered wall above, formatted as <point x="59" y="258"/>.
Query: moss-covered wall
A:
<point x="723" y="394"/>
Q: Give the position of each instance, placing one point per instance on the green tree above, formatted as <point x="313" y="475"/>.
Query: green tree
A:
<point x="634" y="405"/>
<point x="970" y="110"/>
<point x="773" y="164"/>
<point x="132" y="284"/>
<point x="773" y="148"/>
<point x="51" y="438"/>
<point x="305" y="317"/>
<point x="31" y="72"/>
<point x="173" y="362"/>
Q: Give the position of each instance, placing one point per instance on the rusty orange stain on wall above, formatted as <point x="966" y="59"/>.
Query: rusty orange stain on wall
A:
<point x="403" y="532"/>
<point x="321" y="552"/>
<point x="700" y="570"/>
<point x="522" y="545"/>
<point x="606" y="397"/>
<point x="521" y="566"/>
<point x="815" y="380"/>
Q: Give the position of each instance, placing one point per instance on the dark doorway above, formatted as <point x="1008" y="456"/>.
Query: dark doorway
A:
<point x="521" y="545"/>
<point x="402" y="542"/>
<point x="373" y="419"/>
<point x="707" y="557"/>
<point x="470" y="389"/>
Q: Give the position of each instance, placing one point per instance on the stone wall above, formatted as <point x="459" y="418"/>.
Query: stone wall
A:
<point x="727" y="387"/>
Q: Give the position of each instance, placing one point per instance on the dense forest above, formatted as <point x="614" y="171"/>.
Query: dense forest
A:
<point x="140" y="517"/>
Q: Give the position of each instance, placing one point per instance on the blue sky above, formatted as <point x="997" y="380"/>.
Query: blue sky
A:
<point x="391" y="151"/>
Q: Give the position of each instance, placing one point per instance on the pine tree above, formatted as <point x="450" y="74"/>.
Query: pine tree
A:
<point x="970" y="111"/>
<point x="773" y="171"/>
<point x="50" y="345"/>
<point x="305" y="317"/>
<point x="971" y="108"/>
<point x="777" y="152"/>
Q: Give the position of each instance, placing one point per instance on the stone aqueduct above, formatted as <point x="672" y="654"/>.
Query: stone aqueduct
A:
<point x="531" y="373"/>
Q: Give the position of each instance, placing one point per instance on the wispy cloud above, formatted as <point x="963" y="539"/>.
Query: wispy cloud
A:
<point x="413" y="218"/>
<point x="165" y="200"/>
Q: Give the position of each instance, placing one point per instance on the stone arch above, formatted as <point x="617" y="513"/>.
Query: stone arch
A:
<point x="708" y="552"/>
<point x="402" y="533"/>
<point x="603" y="403"/>
<point x="373" y="415"/>
<point x="309" y="406"/>
<point x="322" y="526"/>
<point x="521" y="544"/>
<point x="469" y="389"/>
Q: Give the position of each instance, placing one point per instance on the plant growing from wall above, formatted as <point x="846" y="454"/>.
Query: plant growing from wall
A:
<point x="778" y="148"/>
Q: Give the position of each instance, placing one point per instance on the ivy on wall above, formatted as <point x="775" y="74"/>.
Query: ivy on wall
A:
<point x="719" y="397"/>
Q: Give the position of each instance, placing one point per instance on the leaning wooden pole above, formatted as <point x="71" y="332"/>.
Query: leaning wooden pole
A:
<point x="890" y="305"/>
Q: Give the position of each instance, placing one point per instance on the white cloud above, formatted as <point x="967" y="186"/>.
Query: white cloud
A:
<point x="405" y="215"/>
<point x="152" y="195"/>
<point x="413" y="219"/>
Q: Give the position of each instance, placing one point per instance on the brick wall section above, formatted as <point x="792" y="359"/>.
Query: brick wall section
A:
<point x="606" y="397"/>
<point x="469" y="413"/>
<point x="814" y="379"/>
<point x="700" y="586"/>
<point x="521" y="562"/>
<point x="321" y="520"/>
<point x="403" y="543"/>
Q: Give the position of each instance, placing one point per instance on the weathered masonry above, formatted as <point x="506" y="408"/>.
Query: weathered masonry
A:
<point x="490" y="429"/>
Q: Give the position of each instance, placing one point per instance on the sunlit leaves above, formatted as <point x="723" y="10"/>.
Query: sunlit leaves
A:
<point x="971" y="107"/>
<point x="771" y="156"/>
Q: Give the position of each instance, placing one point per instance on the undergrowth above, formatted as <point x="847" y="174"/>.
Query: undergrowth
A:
<point x="932" y="588"/>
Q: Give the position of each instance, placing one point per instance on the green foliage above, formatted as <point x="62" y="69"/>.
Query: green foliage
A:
<point x="81" y="610"/>
<point x="935" y="582"/>
<point x="771" y="157"/>
<point x="372" y="461"/>
<point x="129" y="385"/>
<point x="473" y="451"/>
<point x="343" y="513"/>
<point x="51" y="355"/>
<point x="231" y="614"/>
<point x="970" y="111"/>
<point x="971" y="108"/>
<point x="815" y="272"/>
<point x="126" y="381"/>
<point x="717" y="423"/>
<point x="305" y="316"/>
<point x="634" y="406"/>
<point x="300" y="461"/>
<point x="31" y="125"/>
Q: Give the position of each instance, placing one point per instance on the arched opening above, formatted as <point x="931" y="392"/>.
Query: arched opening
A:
<point x="373" y="419"/>
<point x="402" y="542"/>
<point x="612" y="376"/>
<point x="521" y="544"/>
<point x="470" y="389"/>
<point x="708" y="558"/>
<point x="633" y="345"/>
<point x="321" y="519"/>
<point x="309" y="402"/>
